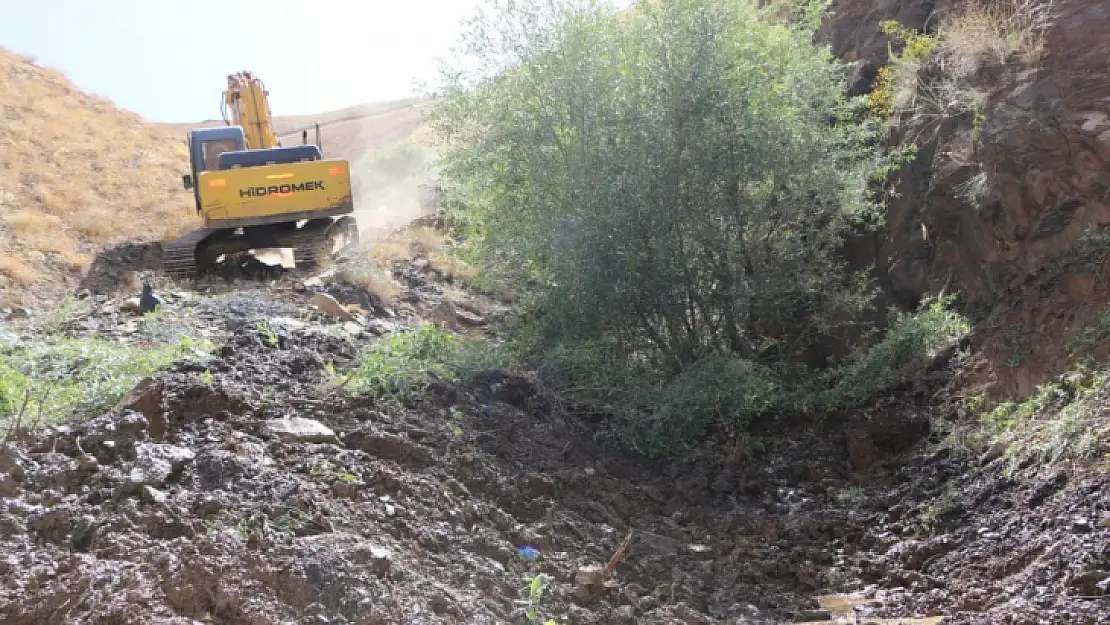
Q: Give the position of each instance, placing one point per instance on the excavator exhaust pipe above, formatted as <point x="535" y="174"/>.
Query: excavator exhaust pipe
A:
<point x="304" y="137"/>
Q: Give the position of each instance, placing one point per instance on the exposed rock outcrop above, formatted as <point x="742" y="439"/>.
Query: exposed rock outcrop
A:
<point x="996" y="204"/>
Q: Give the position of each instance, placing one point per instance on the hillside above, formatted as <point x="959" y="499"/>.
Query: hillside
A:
<point x="76" y="174"/>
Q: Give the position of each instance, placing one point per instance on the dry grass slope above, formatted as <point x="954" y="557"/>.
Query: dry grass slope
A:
<point x="77" y="174"/>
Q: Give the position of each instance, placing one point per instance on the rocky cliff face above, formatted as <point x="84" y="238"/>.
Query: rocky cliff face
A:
<point x="1009" y="180"/>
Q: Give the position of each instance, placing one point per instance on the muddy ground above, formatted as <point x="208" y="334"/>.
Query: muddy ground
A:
<point x="247" y="489"/>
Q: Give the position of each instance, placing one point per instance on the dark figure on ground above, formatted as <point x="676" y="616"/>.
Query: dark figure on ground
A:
<point x="149" y="302"/>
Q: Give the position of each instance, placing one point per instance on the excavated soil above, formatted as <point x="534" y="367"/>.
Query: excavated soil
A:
<point x="246" y="490"/>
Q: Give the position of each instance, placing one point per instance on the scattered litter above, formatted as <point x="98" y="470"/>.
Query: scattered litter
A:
<point x="528" y="553"/>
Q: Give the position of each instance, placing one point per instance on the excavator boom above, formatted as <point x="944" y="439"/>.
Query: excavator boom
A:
<point x="248" y="102"/>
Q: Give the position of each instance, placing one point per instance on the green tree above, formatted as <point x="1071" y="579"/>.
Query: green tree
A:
<point x="678" y="178"/>
<point x="673" y="184"/>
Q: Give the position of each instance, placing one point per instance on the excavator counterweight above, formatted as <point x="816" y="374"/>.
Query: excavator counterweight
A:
<point x="252" y="193"/>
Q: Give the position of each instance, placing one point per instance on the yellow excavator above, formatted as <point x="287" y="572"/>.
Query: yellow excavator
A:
<point x="253" y="193"/>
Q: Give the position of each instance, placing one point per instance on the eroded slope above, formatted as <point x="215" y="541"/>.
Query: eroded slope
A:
<point x="1012" y="118"/>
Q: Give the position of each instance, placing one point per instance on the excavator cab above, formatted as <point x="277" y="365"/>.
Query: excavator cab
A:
<point x="205" y="147"/>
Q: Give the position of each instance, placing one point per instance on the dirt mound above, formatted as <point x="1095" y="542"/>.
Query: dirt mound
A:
<point x="76" y="174"/>
<point x="972" y="539"/>
<point x="234" y="490"/>
<point x="226" y="506"/>
<point x="110" y="270"/>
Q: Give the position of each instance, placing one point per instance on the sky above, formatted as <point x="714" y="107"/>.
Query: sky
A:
<point x="168" y="60"/>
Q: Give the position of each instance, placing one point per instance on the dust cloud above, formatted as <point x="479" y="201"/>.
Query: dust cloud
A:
<point x="389" y="188"/>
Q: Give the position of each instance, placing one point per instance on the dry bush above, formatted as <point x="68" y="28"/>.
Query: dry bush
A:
<point x="979" y="34"/>
<point x="940" y="97"/>
<point x="423" y="239"/>
<point x="992" y="31"/>
<point x="390" y="251"/>
<point x="407" y="245"/>
<point x="452" y="267"/>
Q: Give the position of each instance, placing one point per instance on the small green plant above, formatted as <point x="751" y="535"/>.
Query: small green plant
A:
<point x="536" y="586"/>
<point x="975" y="403"/>
<point x="980" y="116"/>
<point x="852" y="496"/>
<point x="285" y="525"/>
<point x="62" y="313"/>
<point x="1062" y="420"/>
<point x="402" y="364"/>
<point x="948" y="503"/>
<point x="454" y="425"/>
<point x="267" y="333"/>
<point x="289" y="522"/>
<point x="928" y="517"/>
<point x="910" y="339"/>
<point x="1091" y="335"/>
<point x="218" y="522"/>
<point x="902" y="69"/>
<point x="714" y="391"/>
<point x="326" y="472"/>
<point x="1018" y="351"/>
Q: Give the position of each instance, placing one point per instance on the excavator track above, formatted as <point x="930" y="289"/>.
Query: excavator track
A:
<point x="179" y="258"/>
<point x="317" y="242"/>
<point x="322" y="240"/>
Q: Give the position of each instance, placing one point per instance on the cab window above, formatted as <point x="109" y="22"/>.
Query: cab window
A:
<point x="213" y="150"/>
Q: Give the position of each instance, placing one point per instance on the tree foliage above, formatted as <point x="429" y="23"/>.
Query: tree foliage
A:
<point x="673" y="182"/>
<point x="680" y="177"/>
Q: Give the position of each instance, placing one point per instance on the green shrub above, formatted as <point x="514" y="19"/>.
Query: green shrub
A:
<point x="716" y="391"/>
<point x="59" y="379"/>
<point x="668" y="192"/>
<point x="678" y="180"/>
<point x="402" y="364"/>
<point x="896" y="82"/>
<point x="909" y="340"/>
